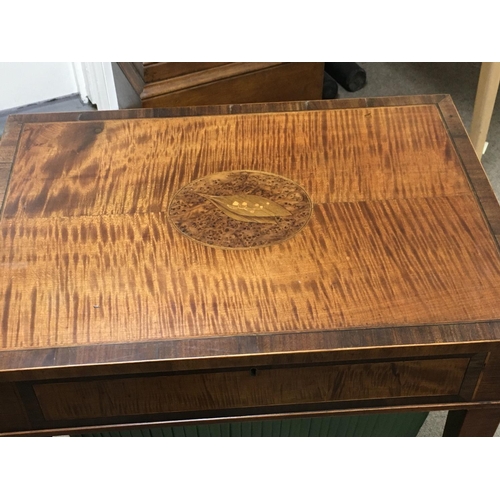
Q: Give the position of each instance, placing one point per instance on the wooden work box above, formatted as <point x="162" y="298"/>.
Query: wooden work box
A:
<point x="227" y="263"/>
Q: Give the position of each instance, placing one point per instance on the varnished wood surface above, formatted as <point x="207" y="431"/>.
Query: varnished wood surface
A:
<point x="9" y="140"/>
<point x="142" y="172"/>
<point x="238" y="83"/>
<point x="88" y="198"/>
<point x="4" y="176"/>
<point x="197" y="78"/>
<point x="402" y="287"/>
<point x="163" y="70"/>
<point x="269" y="108"/>
<point x="249" y="388"/>
<point x="200" y="354"/>
<point x="87" y="302"/>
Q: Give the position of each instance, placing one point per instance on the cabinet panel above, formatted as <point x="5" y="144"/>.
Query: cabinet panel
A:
<point x="250" y="388"/>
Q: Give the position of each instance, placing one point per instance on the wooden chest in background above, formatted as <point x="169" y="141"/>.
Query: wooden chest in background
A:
<point x="159" y="84"/>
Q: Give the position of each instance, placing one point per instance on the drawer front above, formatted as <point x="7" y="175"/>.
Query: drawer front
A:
<point x="249" y="388"/>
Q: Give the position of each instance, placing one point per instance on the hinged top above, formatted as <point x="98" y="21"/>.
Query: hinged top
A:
<point x="398" y="236"/>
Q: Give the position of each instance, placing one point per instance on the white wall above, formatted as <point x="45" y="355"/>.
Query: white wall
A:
<point x="28" y="83"/>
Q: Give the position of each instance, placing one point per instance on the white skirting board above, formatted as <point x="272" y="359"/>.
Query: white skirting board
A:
<point x="97" y="84"/>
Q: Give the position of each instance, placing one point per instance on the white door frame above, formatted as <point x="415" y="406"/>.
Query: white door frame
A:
<point x="96" y="84"/>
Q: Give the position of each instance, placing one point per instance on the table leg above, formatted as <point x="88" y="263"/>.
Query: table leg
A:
<point x="487" y="89"/>
<point x="469" y="423"/>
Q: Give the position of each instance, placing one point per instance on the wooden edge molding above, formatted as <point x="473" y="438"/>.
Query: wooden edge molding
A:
<point x="451" y="118"/>
<point x="5" y="169"/>
<point x="13" y="362"/>
<point x="154" y="72"/>
<point x="201" y="77"/>
<point x="472" y="166"/>
<point x="225" y="109"/>
<point x="406" y="100"/>
<point x="9" y="139"/>
<point x="493" y="405"/>
<point x="8" y="148"/>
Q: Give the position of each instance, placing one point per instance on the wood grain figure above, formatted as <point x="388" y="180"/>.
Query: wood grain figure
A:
<point x="246" y="260"/>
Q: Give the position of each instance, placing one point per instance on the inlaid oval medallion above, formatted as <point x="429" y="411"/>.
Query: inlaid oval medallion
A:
<point x="240" y="209"/>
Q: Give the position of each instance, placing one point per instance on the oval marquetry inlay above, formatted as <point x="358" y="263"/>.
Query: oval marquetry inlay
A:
<point x="240" y="209"/>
